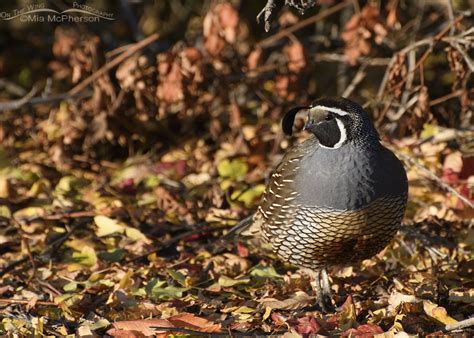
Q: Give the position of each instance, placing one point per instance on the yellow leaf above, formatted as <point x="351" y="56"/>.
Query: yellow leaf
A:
<point x="233" y="169"/>
<point x="135" y="234"/>
<point x="268" y="312"/>
<point x="30" y="212"/>
<point x="244" y="309"/>
<point x="347" y="316"/>
<point x="429" y="130"/>
<point x="249" y="195"/>
<point x="86" y="257"/>
<point x="438" y="313"/>
<point x="107" y="226"/>
<point x="126" y="280"/>
<point x="225" y="281"/>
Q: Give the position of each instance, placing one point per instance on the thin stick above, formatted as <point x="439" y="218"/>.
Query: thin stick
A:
<point x="423" y="42"/>
<point x="25" y="302"/>
<point x="333" y="57"/>
<point x="116" y="61"/>
<point x="460" y="325"/>
<point x="200" y="333"/>
<point x="446" y="97"/>
<point x="175" y="240"/>
<point x="52" y="247"/>
<point x="31" y="101"/>
<point x="287" y="31"/>
<point x="435" y="178"/>
<point x="15" y="104"/>
<point x="449" y="7"/>
<point x="77" y="214"/>
<point x="360" y="75"/>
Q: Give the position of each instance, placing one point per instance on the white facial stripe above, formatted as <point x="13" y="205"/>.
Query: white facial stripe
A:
<point x="332" y="110"/>
<point x="342" y="130"/>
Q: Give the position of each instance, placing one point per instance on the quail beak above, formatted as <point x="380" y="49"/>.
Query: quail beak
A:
<point x="308" y="124"/>
<point x="314" y="117"/>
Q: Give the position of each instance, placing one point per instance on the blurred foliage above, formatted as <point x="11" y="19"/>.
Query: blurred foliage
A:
<point x="119" y="173"/>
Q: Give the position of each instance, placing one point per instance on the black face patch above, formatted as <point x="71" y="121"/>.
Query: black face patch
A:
<point x="327" y="132"/>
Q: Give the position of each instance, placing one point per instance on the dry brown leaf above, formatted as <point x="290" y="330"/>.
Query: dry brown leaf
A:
<point x="296" y="59"/>
<point x="360" y="30"/>
<point x="438" y="313"/>
<point x="254" y="58"/>
<point x="146" y="327"/>
<point x="192" y="322"/>
<point x="397" y="298"/>
<point x="137" y="328"/>
<point x="347" y="316"/>
<point x="296" y="301"/>
<point x="365" y="330"/>
<point x="170" y="88"/>
<point x="220" y="27"/>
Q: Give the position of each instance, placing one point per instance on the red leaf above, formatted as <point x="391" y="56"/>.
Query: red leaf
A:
<point x="242" y="250"/>
<point x="365" y="331"/>
<point x="278" y="319"/>
<point x="128" y="186"/>
<point x="307" y="326"/>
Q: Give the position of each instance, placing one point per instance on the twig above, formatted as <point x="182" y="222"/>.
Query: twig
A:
<point x="403" y="108"/>
<point x="460" y="325"/>
<point x="447" y="97"/>
<point x="26" y="302"/>
<point x="428" y="41"/>
<point x="181" y="329"/>
<point x="175" y="240"/>
<point x="200" y="333"/>
<point x="12" y="88"/>
<point x="77" y="214"/>
<point x="360" y="75"/>
<point x="10" y="105"/>
<point x="449" y="7"/>
<point x="51" y="248"/>
<point x="15" y="104"/>
<point x="333" y="57"/>
<point x="59" y="97"/>
<point x="464" y="54"/>
<point x="271" y="7"/>
<point x="287" y="31"/>
<point x="116" y="61"/>
<point x="435" y="178"/>
<point x="24" y="241"/>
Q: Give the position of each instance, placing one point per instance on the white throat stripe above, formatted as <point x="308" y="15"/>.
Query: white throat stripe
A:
<point x="332" y="110"/>
<point x="343" y="138"/>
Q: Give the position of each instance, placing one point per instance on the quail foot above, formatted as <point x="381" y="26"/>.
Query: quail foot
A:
<point x="335" y="199"/>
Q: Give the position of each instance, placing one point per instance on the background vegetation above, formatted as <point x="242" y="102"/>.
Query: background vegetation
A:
<point x="129" y="146"/>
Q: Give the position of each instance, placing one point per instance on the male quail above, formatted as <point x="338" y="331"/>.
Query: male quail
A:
<point x="337" y="198"/>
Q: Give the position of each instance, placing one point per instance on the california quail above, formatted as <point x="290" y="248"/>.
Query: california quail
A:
<point x="337" y="198"/>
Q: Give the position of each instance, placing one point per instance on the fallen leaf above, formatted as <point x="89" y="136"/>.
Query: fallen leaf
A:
<point x="296" y="301"/>
<point x="306" y="326"/>
<point x="438" y="313"/>
<point x="232" y="169"/>
<point x="363" y="331"/>
<point x="227" y="282"/>
<point x="347" y="317"/>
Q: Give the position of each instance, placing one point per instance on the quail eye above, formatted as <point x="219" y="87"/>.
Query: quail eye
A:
<point x="329" y="117"/>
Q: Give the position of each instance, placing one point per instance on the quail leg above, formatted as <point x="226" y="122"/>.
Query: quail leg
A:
<point x="327" y="294"/>
<point x="320" y="293"/>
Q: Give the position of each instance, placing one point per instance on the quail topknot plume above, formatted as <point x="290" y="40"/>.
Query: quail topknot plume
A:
<point x="335" y="199"/>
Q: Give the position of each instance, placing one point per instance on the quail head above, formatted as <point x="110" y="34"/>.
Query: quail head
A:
<point x="337" y="198"/>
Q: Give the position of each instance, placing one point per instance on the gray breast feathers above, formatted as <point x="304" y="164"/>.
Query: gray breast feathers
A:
<point x="348" y="178"/>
